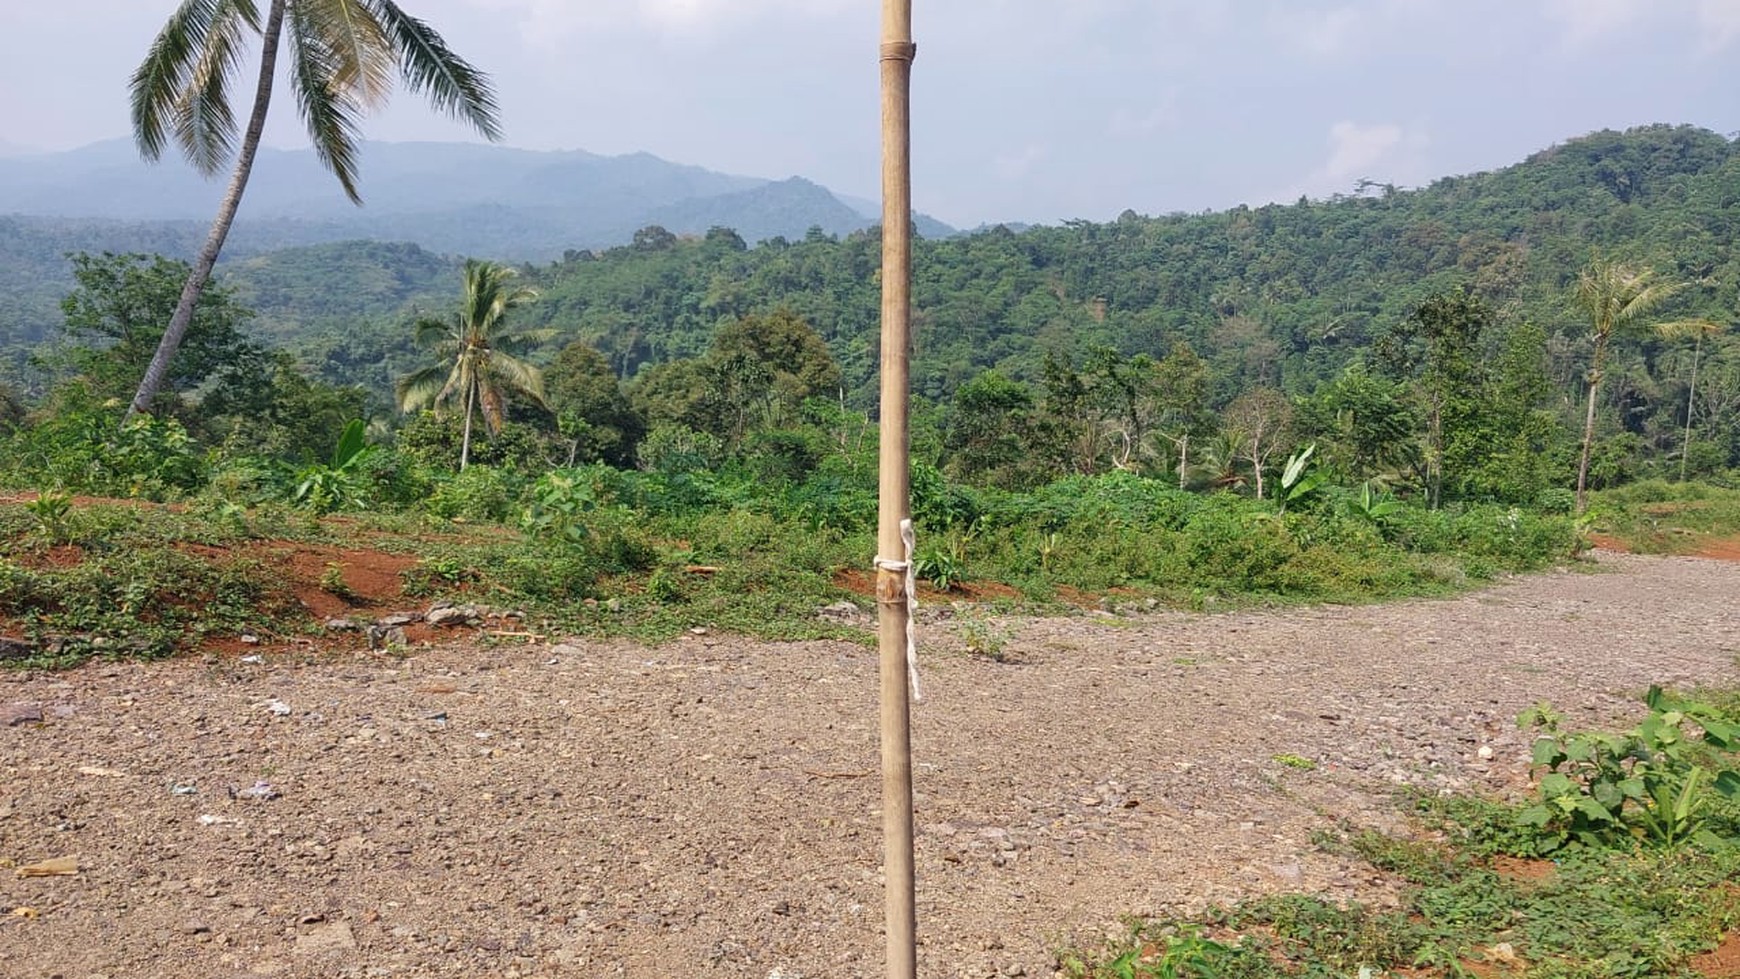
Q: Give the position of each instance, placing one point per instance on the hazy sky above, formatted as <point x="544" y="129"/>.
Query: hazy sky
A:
<point x="1035" y="110"/>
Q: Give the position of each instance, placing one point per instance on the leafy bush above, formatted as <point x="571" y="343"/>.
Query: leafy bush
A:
<point x="476" y="493"/>
<point x="674" y="449"/>
<point x="338" y="484"/>
<point x="1649" y="784"/>
<point x="87" y="449"/>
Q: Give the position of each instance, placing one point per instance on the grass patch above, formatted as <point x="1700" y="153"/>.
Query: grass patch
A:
<point x="1657" y="517"/>
<point x="1476" y="898"/>
<point x="651" y="555"/>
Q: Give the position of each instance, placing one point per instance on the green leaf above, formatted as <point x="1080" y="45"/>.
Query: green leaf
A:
<point x="1608" y="794"/>
<point x="1296" y="466"/>
<point x="1556" y="784"/>
<point x="1546" y="752"/>
<point x="350" y="444"/>
<point x="1727" y="782"/>
<point x="1718" y="733"/>
<point x="1687" y="801"/>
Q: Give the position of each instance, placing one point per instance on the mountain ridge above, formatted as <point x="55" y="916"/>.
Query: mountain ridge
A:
<point x="458" y="198"/>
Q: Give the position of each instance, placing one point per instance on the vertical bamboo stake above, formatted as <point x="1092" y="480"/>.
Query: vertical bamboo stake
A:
<point x="893" y="609"/>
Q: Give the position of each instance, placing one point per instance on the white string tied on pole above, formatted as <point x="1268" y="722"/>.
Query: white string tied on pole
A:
<point x="907" y="568"/>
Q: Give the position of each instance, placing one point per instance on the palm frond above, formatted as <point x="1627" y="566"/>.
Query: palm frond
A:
<point x="429" y="330"/>
<point x="518" y="376"/>
<point x="490" y="402"/>
<point x="1653" y="294"/>
<point x="422" y="387"/>
<point x="525" y="340"/>
<point x="205" y="126"/>
<point x="362" y="55"/>
<point x="330" y="111"/>
<point x="452" y="85"/>
<point x="181" y="86"/>
<point x="462" y="377"/>
<point x="157" y="81"/>
<point x="1687" y="329"/>
<point x="1615" y="295"/>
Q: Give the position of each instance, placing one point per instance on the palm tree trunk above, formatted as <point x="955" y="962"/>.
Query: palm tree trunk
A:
<point x="1691" y="392"/>
<point x="1435" y="457"/>
<point x="465" y="442"/>
<point x="158" y="371"/>
<point x="1589" y="429"/>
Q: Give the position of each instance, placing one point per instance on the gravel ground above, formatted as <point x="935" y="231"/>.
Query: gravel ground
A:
<point x="710" y="807"/>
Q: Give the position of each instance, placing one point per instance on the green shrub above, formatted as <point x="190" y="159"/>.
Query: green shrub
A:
<point x="672" y="449"/>
<point x="476" y="493"/>
<point x="1649" y="784"/>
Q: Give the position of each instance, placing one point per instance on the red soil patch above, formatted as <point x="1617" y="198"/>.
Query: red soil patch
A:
<point x="1524" y="871"/>
<point x="59" y="556"/>
<point x="863" y="583"/>
<point x="858" y="582"/>
<point x="1721" y="962"/>
<point x="373" y="583"/>
<point x="1721" y="549"/>
<point x="1075" y="596"/>
<point x="372" y="580"/>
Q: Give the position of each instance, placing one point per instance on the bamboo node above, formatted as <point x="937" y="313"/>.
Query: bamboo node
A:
<point x="899" y="51"/>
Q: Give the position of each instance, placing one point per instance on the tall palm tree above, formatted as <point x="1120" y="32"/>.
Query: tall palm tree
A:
<point x="1615" y="297"/>
<point x="479" y="360"/>
<point x="1698" y="330"/>
<point x="342" y="57"/>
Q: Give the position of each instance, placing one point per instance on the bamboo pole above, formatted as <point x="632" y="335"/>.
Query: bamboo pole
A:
<point x="894" y="489"/>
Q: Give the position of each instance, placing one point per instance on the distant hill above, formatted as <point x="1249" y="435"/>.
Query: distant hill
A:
<point x="458" y="198"/>
<point x="1283" y="295"/>
<point x="444" y="198"/>
<point x="1280" y="295"/>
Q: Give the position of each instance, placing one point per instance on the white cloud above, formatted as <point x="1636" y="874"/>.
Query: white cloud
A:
<point x="1588" y="22"/>
<point x="1127" y="122"/>
<point x="1584" y="22"/>
<point x="1718" y="23"/>
<point x="1015" y="165"/>
<point x="1354" y="149"/>
<point x="543" y="21"/>
<point x="1384" y="152"/>
<point x="1333" y="33"/>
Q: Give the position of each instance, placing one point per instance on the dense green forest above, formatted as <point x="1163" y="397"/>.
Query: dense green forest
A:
<point x="1427" y="338"/>
<point x="1377" y="395"/>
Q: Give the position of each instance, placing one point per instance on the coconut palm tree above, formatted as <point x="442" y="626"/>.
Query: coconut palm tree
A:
<point x="479" y="360"/>
<point x="342" y="57"/>
<point x="1698" y="330"/>
<point x="1615" y="297"/>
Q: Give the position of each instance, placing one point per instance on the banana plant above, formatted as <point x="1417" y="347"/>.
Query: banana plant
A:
<point x="337" y="484"/>
<point x="1375" y="504"/>
<point x="1296" y="482"/>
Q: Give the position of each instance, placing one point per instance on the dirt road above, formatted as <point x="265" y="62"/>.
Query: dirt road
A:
<point x="710" y="807"/>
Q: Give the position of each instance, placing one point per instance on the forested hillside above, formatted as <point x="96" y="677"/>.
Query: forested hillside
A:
<point x="1038" y="331"/>
<point x="1391" y="392"/>
<point x="1283" y="294"/>
<point x="449" y="198"/>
